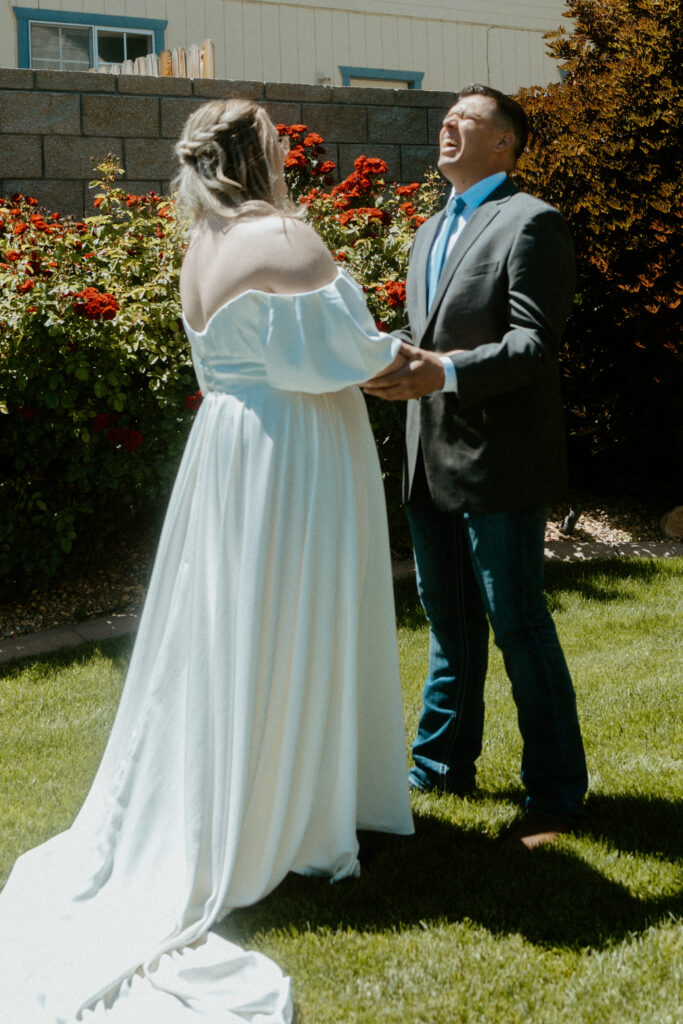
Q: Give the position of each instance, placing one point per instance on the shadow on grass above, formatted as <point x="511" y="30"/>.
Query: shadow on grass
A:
<point x="600" y="580"/>
<point x="444" y="873"/>
<point x="604" y="580"/>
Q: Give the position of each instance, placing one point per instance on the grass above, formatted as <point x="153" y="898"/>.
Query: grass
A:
<point x="447" y="927"/>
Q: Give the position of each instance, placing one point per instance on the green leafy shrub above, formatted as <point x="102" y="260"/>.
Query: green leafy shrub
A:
<point x="606" y="149"/>
<point x="94" y="374"/>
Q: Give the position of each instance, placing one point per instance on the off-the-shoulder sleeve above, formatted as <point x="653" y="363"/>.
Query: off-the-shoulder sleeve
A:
<point x="324" y="340"/>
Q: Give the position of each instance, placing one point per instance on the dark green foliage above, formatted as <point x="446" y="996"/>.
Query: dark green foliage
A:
<point x="606" y="149"/>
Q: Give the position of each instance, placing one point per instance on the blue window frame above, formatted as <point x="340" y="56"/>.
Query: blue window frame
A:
<point x="26" y="16"/>
<point x="413" y="78"/>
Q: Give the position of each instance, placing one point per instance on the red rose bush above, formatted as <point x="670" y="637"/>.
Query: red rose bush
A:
<point x="96" y="385"/>
<point x="94" y="373"/>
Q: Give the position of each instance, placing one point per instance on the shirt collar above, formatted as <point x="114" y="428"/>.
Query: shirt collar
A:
<point x="481" y="190"/>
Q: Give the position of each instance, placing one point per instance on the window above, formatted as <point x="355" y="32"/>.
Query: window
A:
<point x="381" y="78"/>
<point x="62" y="41"/>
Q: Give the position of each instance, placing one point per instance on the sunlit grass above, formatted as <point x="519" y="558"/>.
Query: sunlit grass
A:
<point x="448" y="927"/>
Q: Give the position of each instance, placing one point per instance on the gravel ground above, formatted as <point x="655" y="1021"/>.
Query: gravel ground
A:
<point x="120" y="585"/>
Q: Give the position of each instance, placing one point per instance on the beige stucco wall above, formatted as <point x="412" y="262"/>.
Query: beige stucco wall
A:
<point x="499" y="42"/>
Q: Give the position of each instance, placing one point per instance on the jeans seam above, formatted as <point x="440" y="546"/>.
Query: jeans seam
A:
<point x="461" y="550"/>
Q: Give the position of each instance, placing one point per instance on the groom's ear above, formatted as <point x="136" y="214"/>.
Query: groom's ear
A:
<point x="505" y="141"/>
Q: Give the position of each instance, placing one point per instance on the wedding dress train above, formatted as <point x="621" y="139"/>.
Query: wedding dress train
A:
<point x="261" y="721"/>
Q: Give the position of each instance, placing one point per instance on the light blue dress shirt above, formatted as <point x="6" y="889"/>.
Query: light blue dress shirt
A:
<point x="472" y="198"/>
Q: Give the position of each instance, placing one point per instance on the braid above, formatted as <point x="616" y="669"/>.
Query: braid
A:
<point x="229" y="162"/>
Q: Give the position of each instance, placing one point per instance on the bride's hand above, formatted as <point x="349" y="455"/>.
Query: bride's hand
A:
<point x="398" y="363"/>
<point x="421" y="374"/>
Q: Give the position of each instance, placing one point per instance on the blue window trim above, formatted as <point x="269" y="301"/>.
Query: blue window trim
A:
<point x="413" y="78"/>
<point x="26" y="14"/>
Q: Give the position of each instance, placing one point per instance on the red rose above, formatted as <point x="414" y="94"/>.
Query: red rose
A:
<point x="12" y="256"/>
<point x="407" y="190"/>
<point x="115" y="435"/>
<point x="132" y="440"/>
<point x="192" y="402"/>
<point x="20" y="227"/>
<point x="26" y="286"/>
<point x="100" y="422"/>
<point x="370" y="165"/>
<point x="326" y="167"/>
<point x="26" y="411"/>
<point x="313" y="139"/>
<point x="296" y="158"/>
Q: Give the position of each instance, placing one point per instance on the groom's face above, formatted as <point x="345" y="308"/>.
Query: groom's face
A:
<point x="470" y="141"/>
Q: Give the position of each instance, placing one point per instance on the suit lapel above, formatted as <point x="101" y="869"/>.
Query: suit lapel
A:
<point x="480" y="220"/>
<point x="420" y="261"/>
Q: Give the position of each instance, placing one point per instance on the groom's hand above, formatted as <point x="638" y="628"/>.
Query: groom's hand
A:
<point x="422" y="374"/>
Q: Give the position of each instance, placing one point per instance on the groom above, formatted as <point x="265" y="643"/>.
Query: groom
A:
<point x="489" y="289"/>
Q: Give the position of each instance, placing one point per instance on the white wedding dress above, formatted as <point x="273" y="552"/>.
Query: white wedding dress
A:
<point x="261" y="721"/>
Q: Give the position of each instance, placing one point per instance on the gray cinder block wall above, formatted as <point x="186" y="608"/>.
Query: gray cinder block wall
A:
<point x="53" y="122"/>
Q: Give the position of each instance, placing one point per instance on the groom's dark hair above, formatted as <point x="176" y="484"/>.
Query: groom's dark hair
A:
<point x="508" y="109"/>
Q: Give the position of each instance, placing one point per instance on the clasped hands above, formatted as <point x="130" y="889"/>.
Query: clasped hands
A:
<point x="414" y="372"/>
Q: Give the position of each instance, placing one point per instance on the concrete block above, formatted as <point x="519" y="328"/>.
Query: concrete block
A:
<point x="75" y="157"/>
<point x="406" y="125"/>
<point x="416" y="161"/>
<point x="426" y="98"/>
<point x="174" y="114"/>
<point x="338" y="122"/>
<point x="40" y="113"/>
<point x="135" y="116"/>
<point x="16" y="78"/>
<point x="149" y="158"/>
<point x="65" y="197"/>
<point x="364" y="96"/>
<point x="390" y="154"/>
<point x="139" y="188"/>
<point x="20" y="156"/>
<point x="223" y="89"/>
<point x="150" y="86"/>
<point x="288" y="92"/>
<point x="75" y="81"/>
<point x="287" y="113"/>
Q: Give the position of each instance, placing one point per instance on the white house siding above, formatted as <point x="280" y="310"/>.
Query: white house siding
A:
<point x="495" y="41"/>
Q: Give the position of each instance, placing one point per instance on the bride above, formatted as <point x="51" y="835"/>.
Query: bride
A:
<point x="260" y="724"/>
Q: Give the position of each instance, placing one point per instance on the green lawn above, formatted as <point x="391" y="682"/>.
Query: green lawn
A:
<point x="448" y="927"/>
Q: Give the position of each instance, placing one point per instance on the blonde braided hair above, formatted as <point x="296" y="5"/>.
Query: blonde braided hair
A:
<point x="230" y="163"/>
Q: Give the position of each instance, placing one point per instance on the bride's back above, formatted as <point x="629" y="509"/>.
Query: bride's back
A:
<point x="269" y="253"/>
<point x="231" y="189"/>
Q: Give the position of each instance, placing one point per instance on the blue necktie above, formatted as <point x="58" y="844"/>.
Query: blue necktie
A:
<point x="437" y="257"/>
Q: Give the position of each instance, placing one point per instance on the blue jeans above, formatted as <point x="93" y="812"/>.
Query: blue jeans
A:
<point x="473" y="569"/>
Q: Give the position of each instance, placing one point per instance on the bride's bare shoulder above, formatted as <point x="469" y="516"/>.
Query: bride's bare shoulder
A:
<point x="291" y="257"/>
<point x="271" y="254"/>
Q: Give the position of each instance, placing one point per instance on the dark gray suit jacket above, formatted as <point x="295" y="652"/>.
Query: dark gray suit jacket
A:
<point x="504" y="297"/>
